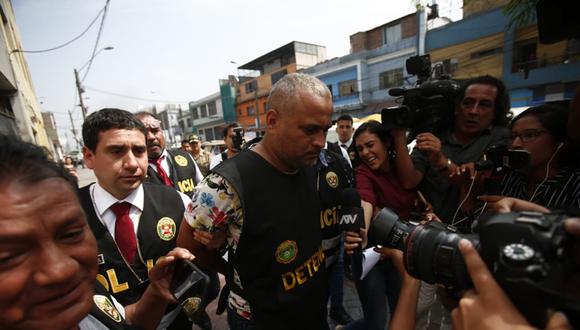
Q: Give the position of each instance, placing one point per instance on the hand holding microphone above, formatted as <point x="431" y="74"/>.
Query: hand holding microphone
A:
<point x="352" y="220"/>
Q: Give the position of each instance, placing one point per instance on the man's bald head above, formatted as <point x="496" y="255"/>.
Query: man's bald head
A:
<point x="286" y="92"/>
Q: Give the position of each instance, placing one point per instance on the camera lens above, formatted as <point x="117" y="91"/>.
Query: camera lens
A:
<point x="432" y="255"/>
<point x="387" y="230"/>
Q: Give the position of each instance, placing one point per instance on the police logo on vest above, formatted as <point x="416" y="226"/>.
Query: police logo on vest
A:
<point x="166" y="228"/>
<point x="180" y="160"/>
<point x="107" y="307"/>
<point x="286" y="252"/>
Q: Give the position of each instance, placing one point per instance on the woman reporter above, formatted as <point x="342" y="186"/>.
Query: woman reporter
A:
<point x="379" y="186"/>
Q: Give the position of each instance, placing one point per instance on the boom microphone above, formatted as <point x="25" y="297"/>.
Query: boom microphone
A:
<point x="351" y="213"/>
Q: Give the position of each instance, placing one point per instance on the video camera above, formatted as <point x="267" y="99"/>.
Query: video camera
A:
<point x="530" y="255"/>
<point x="427" y="107"/>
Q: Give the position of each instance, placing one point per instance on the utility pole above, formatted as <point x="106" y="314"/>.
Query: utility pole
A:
<point x="80" y="91"/>
<point x="73" y="130"/>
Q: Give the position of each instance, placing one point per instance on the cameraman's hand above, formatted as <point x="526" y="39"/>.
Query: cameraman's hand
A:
<point x="502" y="204"/>
<point x="432" y="145"/>
<point x="161" y="274"/>
<point x="486" y="306"/>
<point x="212" y="240"/>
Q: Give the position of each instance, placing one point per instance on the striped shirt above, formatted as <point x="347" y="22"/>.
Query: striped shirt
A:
<point x="560" y="191"/>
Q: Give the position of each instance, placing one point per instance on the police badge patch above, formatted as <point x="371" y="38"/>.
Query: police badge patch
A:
<point x="332" y="179"/>
<point x="180" y="160"/>
<point x="191" y="305"/>
<point x="166" y="228"/>
<point x="107" y="307"/>
<point x="286" y="252"/>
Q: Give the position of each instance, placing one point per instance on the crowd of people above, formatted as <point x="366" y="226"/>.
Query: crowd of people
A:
<point x="268" y="217"/>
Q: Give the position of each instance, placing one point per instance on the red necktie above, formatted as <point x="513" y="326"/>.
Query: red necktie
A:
<point x="164" y="177"/>
<point x="124" y="231"/>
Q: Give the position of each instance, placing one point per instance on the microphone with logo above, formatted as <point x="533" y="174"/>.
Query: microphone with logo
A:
<point x="351" y="213"/>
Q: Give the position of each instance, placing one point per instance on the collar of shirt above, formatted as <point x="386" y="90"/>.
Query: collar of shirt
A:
<point x="347" y="144"/>
<point x="164" y="162"/>
<point x="103" y="200"/>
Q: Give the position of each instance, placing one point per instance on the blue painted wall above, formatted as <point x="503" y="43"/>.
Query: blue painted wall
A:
<point x="333" y="79"/>
<point x="470" y="28"/>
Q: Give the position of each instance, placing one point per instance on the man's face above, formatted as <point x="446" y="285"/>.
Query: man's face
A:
<point x="48" y="256"/>
<point x="120" y="160"/>
<point x="155" y="138"/>
<point x="344" y="130"/>
<point x="300" y="132"/>
<point x="186" y="147"/>
<point x="195" y="147"/>
<point x="229" y="140"/>
<point x="476" y="111"/>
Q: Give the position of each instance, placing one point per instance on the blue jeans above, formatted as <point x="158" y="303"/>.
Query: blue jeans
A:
<point x="337" y="278"/>
<point x="379" y="289"/>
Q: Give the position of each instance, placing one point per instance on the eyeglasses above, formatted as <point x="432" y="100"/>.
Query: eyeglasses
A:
<point x="528" y="134"/>
<point x="470" y="103"/>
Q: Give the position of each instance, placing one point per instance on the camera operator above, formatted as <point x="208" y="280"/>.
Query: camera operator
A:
<point x="233" y="144"/>
<point x="479" y="122"/>
<point x="487" y="306"/>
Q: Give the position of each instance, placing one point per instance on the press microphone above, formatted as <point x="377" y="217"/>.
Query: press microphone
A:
<point x="397" y="91"/>
<point x="351" y="213"/>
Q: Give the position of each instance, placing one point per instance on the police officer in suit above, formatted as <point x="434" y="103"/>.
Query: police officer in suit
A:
<point x="135" y="223"/>
<point x="174" y="168"/>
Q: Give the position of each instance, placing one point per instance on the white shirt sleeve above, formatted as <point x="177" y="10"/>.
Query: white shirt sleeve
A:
<point x="345" y="155"/>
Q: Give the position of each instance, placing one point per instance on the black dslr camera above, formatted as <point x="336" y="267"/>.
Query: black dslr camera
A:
<point x="499" y="160"/>
<point x="529" y="254"/>
<point x="427" y="107"/>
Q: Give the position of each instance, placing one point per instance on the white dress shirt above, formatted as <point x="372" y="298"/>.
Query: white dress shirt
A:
<point x="103" y="200"/>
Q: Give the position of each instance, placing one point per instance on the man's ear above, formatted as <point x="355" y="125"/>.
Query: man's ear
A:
<point x="272" y="119"/>
<point x="89" y="157"/>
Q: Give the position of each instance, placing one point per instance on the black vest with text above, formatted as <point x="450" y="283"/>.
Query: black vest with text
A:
<point x="156" y="235"/>
<point x="279" y="257"/>
<point x="332" y="180"/>
<point x="182" y="172"/>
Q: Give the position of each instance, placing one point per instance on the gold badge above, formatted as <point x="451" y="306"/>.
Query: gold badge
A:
<point x="166" y="228"/>
<point x="352" y="155"/>
<point x="332" y="179"/>
<point x="286" y="252"/>
<point x="107" y="307"/>
<point x="180" y="160"/>
<point x="191" y="305"/>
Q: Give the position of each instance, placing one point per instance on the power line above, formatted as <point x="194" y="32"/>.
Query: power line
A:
<point x="132" y="97"/>
<point x="97" y="41"/>
<point x="66" y="43"/>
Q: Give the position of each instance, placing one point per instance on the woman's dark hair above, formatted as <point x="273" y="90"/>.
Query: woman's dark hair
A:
<point x="28" y="163"/>
<point x="376" y="128"/>
<point x="554" y="119"/>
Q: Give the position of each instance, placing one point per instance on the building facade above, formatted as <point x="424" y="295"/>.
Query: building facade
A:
<point x="360" y="81"/>
<point x="264" y="71"/>
<point x="481" y="44"/>
<point x="52" y="133"/>
<point x="19" y="108"/>
<point x="205" y="118"/>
